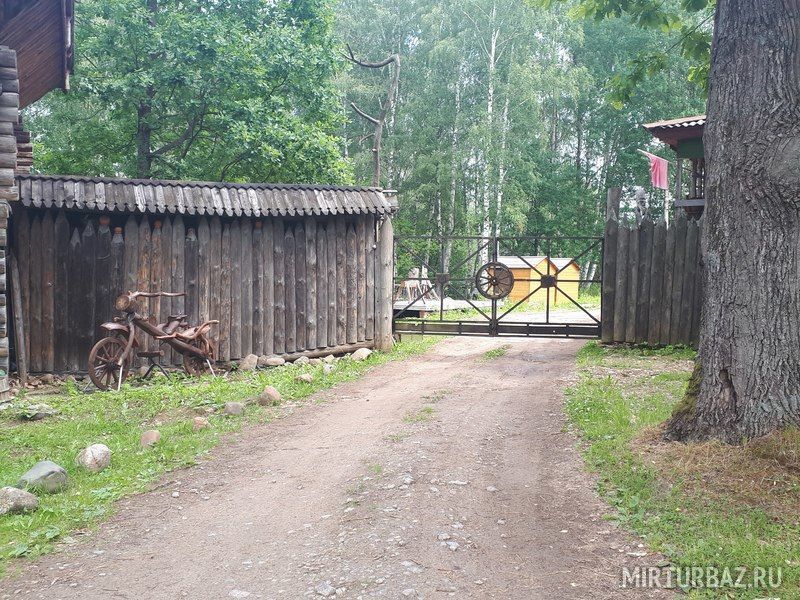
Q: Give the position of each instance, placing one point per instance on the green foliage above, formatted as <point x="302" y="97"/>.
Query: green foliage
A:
<point x="542" y="166"/>
<point x="118" y="419"/>
<point x="689" y="20"/>
<point x="171" y="89"/>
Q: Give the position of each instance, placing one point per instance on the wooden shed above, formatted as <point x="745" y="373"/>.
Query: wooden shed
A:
<point x="528" y="272"/>
<point x="285" y="268"/>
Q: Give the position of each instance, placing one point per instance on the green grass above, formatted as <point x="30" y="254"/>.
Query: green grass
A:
<point x="118" y="419"/>
<point x="498" y="352"/>
<point x="424" y="415"/>
<point x="689" y="524"/>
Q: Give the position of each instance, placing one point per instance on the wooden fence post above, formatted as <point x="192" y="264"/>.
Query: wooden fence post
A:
<point x="384" y="277"/>
<point x="610" y="265"/>
<point x="621" y="284"/>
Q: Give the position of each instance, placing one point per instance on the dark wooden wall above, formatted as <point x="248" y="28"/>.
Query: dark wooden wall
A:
<point x="277" y="286"/>
<point x="652" y="282"/>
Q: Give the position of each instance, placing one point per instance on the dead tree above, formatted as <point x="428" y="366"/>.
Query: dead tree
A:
<point x="385" y="107"/>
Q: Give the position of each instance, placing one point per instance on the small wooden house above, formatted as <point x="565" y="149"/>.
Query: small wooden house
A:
<point x="685" y="137"/>
<point x="528" y="276"/>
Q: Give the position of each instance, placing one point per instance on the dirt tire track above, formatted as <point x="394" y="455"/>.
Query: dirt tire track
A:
<point x="485" y="497"/>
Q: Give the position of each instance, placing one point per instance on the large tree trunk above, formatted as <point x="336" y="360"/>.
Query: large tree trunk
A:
<point x="747" y="382"/>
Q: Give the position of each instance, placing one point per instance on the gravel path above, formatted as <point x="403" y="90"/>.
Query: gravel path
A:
<point x="367" y="493"/>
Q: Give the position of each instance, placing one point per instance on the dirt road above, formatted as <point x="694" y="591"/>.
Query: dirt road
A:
<point x="448" y="475"/>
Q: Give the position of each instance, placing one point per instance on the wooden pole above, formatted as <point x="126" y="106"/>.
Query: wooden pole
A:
<point x="608" y="286"/>
<point x="383" y="291"/>
<point x="19" y="328"/>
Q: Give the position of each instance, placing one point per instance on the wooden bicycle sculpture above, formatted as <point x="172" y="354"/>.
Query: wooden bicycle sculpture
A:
<point x="111" y="359"/>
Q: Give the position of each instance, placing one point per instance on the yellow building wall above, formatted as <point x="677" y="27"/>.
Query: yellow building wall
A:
<point x="568" y="282"/>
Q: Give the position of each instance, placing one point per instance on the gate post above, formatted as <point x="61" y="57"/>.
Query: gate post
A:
<point x="609" y="265"/>
<point x="384" y="282"/>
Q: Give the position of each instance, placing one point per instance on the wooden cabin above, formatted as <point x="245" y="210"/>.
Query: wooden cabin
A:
<point x="528" y="271"/>
<point x="286" y="269"/>
<point x="685" y="137"/>
<point x="36" y="56"/>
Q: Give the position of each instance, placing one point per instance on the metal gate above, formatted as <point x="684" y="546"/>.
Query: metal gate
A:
<point x="529" y="286"/>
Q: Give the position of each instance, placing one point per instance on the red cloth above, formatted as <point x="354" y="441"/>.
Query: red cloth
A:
<point x="658" y="170"/>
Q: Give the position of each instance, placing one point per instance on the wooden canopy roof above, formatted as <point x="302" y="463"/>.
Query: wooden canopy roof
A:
<point x="200" y="198"/>
<point x="673" y="131"/>
<point x="41" y="32"/>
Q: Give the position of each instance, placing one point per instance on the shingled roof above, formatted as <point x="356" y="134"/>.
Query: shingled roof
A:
<point x="199" y="198"/>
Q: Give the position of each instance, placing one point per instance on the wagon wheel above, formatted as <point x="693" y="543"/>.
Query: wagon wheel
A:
<point x="103" y="368"/>
<point x="195" y="365"/>
<point x="494" y="280"/>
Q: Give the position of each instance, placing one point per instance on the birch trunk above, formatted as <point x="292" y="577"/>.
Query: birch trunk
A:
<point x="451" y="215"/>
<point x="502" y="169"/>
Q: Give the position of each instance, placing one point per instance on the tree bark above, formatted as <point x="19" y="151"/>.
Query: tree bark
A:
<point x="747" y="380"/>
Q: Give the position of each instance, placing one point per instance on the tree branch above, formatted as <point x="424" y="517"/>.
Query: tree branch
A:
<point x="364" y="115"/>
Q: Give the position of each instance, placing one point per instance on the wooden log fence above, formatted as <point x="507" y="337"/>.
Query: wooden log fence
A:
<point x="278" y="286"/>
<point x="652" y="282"/>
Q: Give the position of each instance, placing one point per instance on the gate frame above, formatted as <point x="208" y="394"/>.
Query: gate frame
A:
<point x="493" y="325"/>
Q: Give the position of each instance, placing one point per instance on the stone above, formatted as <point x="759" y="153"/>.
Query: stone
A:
<point x="48" y="379"/>
<point x="330" y="359"/>
<point x="275" y="361"/>
<point x="262" y="361"/>
<point x="45" y="476"/>
<point x="361" y="354"/>
<point x="327" y="369"/>
<point x="325" y="589"/>
<point x="491" y="488"/>
<point x="37" y="412"/>
<point x="95" y="458"/>
<point x="269" y="397"/>
<point x="315" y="361"/>
<point x="248" y="363"/>
<point x="302" y="360"/>
<point x="14" y="501"/>
<point x="234" y="409"/>
<point x="150" y="438"/>
<point x="305" y="378"/>
<point x="199" y="423"/>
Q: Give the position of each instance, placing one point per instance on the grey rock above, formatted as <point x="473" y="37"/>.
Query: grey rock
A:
<point x="275" y="361"/>
<point x="269" y="397"/>
<point x="327" y="369"/>
<point x="248" y="363"/>
<point x="302" y="360"/>
<point x="234" y="409"/>
<point x="95" y="458"/>
<point x="37" y="412"/>
<point x="329" y="359"/>
<point x="13" y="501"/>
<point x="48" y="378"/>
<point x="325" y="589"/>
<point x="361" y="354"/>
<point x="305" y="378"/>
<point x="149" y="438"/>
<point x="315" y="361"/>
<point x="45" y="476"/>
